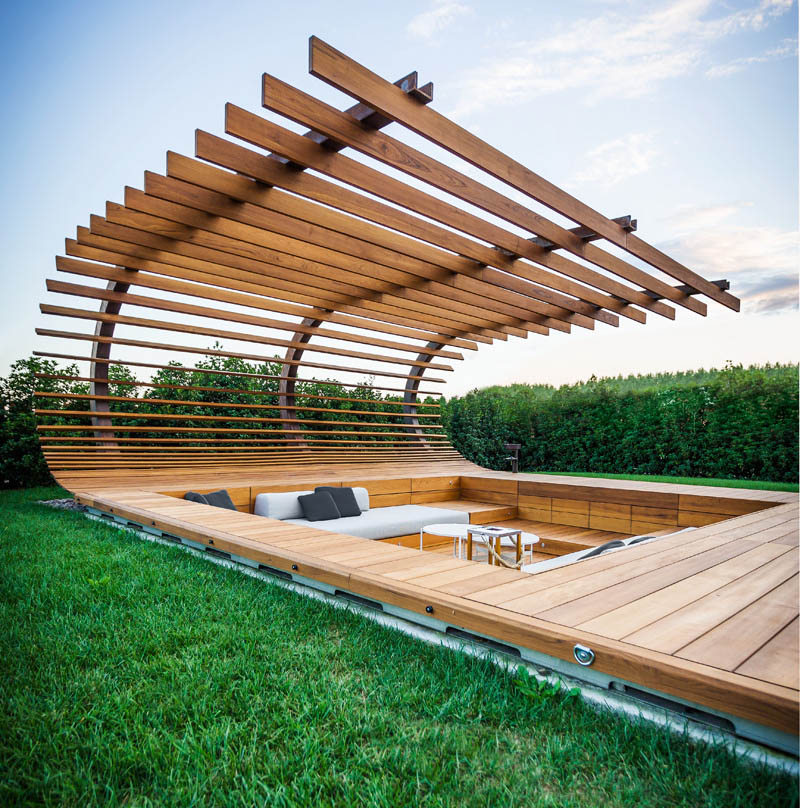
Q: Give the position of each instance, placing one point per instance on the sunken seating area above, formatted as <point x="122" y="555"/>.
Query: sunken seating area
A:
<point x="704" y="620"/>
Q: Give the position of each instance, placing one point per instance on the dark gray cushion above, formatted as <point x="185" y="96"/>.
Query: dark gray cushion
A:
<point x="344" y="498"/>
<point x="193" y="496"/>
<point x="319" y="506"/>
<point x="220" y="499"/>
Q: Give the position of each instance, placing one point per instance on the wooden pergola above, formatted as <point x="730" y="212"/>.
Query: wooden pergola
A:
<point x="292" y="241"/>
<point x="354" y="274"/>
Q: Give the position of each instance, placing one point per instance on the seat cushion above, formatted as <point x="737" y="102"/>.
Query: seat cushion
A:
<point x="344" y="498"/>
<point x="362" y="498"/>
<point x="280" y="506"/>
<point x="383" y="523"/>
<point x="319" y="506"/>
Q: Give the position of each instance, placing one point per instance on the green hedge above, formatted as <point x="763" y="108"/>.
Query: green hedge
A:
<point x="736" y="423"/>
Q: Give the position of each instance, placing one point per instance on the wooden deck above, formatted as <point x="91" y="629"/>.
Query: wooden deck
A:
<point x="709" y="616"/>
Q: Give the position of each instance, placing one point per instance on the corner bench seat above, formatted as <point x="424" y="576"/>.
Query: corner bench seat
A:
<point x="386" y="523"/>
<point x="373" y="523"/>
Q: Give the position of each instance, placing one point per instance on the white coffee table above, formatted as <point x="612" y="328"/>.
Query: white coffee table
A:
<point x="460" y="533"/>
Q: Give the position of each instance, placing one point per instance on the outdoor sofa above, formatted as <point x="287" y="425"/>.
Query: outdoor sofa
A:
<point x="373" y="523"/>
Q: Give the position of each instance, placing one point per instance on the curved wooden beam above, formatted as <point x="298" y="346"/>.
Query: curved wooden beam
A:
<point x="99" y="369"/>
<point x="289" y="377"/>
<point x="410" y="405"/>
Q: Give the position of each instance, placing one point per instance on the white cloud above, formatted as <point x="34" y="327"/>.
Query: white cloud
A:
<point x="621" y="52"/>
<point x="787" y="48"/>
<point x="760" y="261"/>
<point x="442" y="14"/>
<point x="690" y="218"/>
<point x="616" y="160"/>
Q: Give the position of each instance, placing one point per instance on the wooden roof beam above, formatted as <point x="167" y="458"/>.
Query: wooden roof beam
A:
<point x="359" y="240"/>
<point x="227" y="250"/>
<point x="157" y="276"/>
<point x="627" y="223"/>
<point x="347" y="75"/>
<point x="303" y="108"/>
<point x="724" y="285"/>
<point x="273" y="204"/>
<point x="190" y="225"/>
<point x="246" y="162"/>
<point x="267" y="135"/>
<point x="368" y="116"/>
<point x="123" y="246"/>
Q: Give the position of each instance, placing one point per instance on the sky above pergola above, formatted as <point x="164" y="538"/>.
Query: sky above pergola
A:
<point x="682" y="114"/>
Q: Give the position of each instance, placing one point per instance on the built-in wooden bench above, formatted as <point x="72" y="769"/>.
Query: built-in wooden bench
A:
<point x="616" y="505"/>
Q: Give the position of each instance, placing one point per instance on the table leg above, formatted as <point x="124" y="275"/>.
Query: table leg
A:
<point x="519" y="546"/>
<point x="469" y="546"/>
<point x="498" y="548"/>
<point x="420" y="540"/>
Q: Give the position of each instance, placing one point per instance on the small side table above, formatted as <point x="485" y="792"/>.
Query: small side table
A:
<point x="498" y="537"/>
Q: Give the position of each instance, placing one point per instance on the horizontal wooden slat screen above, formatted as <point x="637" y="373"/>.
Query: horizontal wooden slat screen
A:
<point x="274" y="254"/>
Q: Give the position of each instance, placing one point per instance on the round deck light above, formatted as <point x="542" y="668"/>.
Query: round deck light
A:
<point x="583" y="655"/>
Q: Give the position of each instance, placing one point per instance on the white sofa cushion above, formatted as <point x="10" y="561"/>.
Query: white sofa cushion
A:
<point x="285" y="505"/>
<point x="362" y="498"/>
<point x="383" y="523"/>
<point x="280" y="506"/>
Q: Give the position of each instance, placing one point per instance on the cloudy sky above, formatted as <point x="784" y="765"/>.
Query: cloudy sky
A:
<point x="682" y="113"/>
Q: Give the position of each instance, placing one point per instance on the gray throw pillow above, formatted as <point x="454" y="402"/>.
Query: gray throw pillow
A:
<point x="193" y="496"/>
<point x="344" y="498"/>
<point x="220" y="499"/>
<point x="318" y="507"/>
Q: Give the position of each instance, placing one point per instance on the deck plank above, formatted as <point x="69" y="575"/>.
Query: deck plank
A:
<point x="678" y="629"/>
<point x="582" y="609"/>
<point x="640" y="612"/>
<point x="738" y="638"/>
<point x="776" y="662"/>
<point x="700" y="597"/>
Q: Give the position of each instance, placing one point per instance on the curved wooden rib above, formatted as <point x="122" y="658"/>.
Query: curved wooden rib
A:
<point x="410" y="402"/>
<point x="100" y="351"/>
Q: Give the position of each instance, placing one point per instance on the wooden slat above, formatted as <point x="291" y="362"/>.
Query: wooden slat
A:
<point x="639" y="610"/>
<point x="265" y="170"/>
<point x="259" y="302"/>
<point x="286" y="100"/>
<point x="265" y="134"/>
<point x="138" y="250"/>
<point x="731" y="643"/>
<point x="384" y="402"/>
<point x="347" y="75"/>
<point x="227" y="405"/>
<point x="776" y="661"/>
<point x="161" y="346"/>
<point x="184" y="234"/>
<point x="682" y="627"/>
<point x="249" y="240"/>
<point x="183" y="328"/>
<point x="217" y="372"/>
<point x="272" y="199"/>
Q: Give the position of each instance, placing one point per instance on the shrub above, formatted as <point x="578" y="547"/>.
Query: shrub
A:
<point x="735" y="423"/>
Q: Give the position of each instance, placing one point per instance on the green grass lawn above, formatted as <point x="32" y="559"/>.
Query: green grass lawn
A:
<point x="758" y="485"/>
<point x="135" y="674"/>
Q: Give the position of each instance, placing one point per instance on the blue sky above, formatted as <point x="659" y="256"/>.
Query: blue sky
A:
<point x="682" y="113"/>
